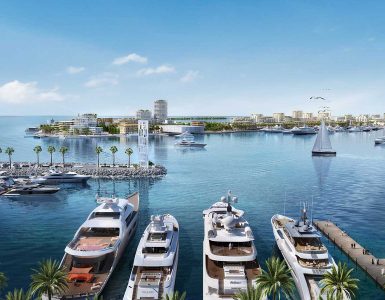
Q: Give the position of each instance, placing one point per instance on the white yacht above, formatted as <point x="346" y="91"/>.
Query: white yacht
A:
<point x="156" y="260"/>
<point x="230" y="262"/>
<point x="306" y="255"/>
<point x="188" y="141"/>
<point x="303" y="130"/>
<point x="54" y="177"/>
<point x="379" y="141"/>
<point x="322" y="145"/>
<point x="355" y="129"/>
<point x="274" y="129"/>
<point x="20" y="188"/>
<point x="97" y="246"/>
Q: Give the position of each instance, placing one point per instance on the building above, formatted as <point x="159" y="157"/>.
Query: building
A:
<point x="257" y="117"/>
<point x="143" y="114"/>
<point x="85" y="124"/>
<point x="324" y="115"/>
<point x="297" y="114"/>
<point x="105" y="121"/>
<point x="363" y="118"/>
<point x="348" y="118"/>
<point x="127" y="126"/>
<point x="307" y="116"/>
<point x="278" y="117"/>
<point x="178" y="129"/>
<point x="160" y="111"/>
<point x="243" y="120"/>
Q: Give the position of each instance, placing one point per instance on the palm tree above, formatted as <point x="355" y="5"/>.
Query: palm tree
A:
<point x="98" y="150"/>
<point x="9" y="151"/>
<point x="338" y="284"/>
<point x="49" y="279"/>
<point x="37" y="150"/>
<point x="276" y="279"/>
<point x="3" y="281"/>
<point x="63" y="150"/>
<point x="18" y="295"/>
<point x="129" y="152"/>
<point x="175" y="296"/>
<point x="51" y="150"/>
<point x="113" y="150"/>
<point x="254" y="293"/>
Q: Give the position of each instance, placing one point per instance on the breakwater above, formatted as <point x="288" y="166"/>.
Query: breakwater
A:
<point x="103" y="171"/>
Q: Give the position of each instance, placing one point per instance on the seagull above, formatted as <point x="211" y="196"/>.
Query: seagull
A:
<point x="317" y="98"/>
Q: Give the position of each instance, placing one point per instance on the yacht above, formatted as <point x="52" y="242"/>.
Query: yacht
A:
<point x="14" y="189"/>
<point x="306" y="255"/>
<point x="322" y="145"/>
<point x="97" y="246"/>
<point x="230" y="262"/>
<point x="303" y="130"/>
<point x="339" y="129"/>
<point x="379" y="141"/>
<point x="188" y="141"/>
<point x="355" y="129"/>
<point x="31" y="131"/>
<point x="156" y="260"/>
<point x="274" y="129"/>
<point x="54" y="177"/>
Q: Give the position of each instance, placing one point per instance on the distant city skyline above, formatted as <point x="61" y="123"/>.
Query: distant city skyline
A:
<point x="205" y="58"/>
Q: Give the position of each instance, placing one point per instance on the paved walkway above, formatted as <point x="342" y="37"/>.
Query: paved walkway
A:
<point x="344" y="242"/>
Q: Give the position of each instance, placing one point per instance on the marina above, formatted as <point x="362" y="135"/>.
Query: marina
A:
<point x="373" y="266"/>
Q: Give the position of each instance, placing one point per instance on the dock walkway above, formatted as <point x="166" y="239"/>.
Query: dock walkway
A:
<point x="357" y="253"/>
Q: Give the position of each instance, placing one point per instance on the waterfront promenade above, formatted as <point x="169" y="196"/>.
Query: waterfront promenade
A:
<point x="373" y="266"/>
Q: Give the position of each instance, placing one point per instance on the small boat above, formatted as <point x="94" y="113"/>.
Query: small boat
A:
<point x="156" y="260"/>
<point x="339" y="129"/>
<point x="287" y="131"/>
<point x="188" y="141"/>
<point x="367" y="128"/>
<point x="303" y="130"/>
<point x="322" y="145"/>
<point x="305" y="254"/>
<point x="355" y="129"/>
<point x="230" y="263"/>
<point x="54" y="177"/>
<point x="98" y="245"/>
<point x="379" y="141"/>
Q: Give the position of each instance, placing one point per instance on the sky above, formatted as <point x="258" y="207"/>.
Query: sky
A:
<point x="216" y="57"/>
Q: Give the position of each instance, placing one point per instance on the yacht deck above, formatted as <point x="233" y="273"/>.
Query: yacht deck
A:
<point x="215" y="269"/>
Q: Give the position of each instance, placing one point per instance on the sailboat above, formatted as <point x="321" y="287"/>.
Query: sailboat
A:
<point x="322" y="145"/>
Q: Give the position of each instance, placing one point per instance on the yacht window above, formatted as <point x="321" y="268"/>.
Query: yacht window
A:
<point x="114" y="215"/>
<point x="155" y="250"/>
<point x="129" y="218"/>
<point x="157" y="236"/>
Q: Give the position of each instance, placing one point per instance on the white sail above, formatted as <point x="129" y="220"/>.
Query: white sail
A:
<point x="322" y="142"/>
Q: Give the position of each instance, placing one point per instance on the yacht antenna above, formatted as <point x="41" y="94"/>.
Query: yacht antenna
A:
<point x="311" y="212"/>
<point x="284" y="205"/>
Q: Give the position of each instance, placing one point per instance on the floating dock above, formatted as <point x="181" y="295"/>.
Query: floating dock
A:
<point x="372" y="265"/>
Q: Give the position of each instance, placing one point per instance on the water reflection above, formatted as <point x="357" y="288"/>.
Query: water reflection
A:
<point x="322" y="166"/>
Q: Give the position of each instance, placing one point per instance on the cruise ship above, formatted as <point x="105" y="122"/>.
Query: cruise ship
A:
<point x="97" y="246"/>
<point x="156" y="260"/>
<point x="54" y="177"/>
<point x="306" y="255"/>
<point x="230" y="262"/>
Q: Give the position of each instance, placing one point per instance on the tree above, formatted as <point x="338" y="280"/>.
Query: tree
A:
<point x="3" y="281"/>
<point x="49" y="279"/>
<point x="51" y="149"/>
<point x="18" y="295"/>
<point x="254" y="293"/>
<point x="113" y="150"/>
<point x="37" y="150"/>
<point x="98" y="150"/>
<point x="129" y="152"/>
<point x="338" y="283"/>
<point x="175" y="296"/>
<point x="276" y="279"/>
<point x="9" y="151"/>
<point x="63" y="150"/>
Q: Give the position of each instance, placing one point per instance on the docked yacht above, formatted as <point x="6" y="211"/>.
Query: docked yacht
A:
<point x="92" y="255"/>
<point x="15" y="189"/>
<point x="54" y="177"/>
<point x="306" y="255"/>
<point x="355" y="129"/>
<point x="379" y="141"/>
<point x="156" y="260"/>
<point x="187" y="140"/>
<point x="230" y="262"/>
<point x="303" y="130"/>
<point x="274" y="129"/>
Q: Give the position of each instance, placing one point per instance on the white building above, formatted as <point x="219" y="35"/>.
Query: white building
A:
<point x="297" y="114"/>
<point x="178" y="129"/>
<point x="307" y="116"/>
<point x="257" y="117"/>
<point x="143" y="114"/>
<point x="86" y="123"/>
<point x="278" y="117"/>
<point x="363" y="118"/>
<point x="324" y="115"/>
<point x="160" y="111"/>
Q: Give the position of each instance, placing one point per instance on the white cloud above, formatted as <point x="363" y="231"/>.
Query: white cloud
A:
<point x="163" y="69"/>
<point x="133" y="57"/>
<point x="74" y="70"/>
<point x="190" y="76"/>
<point x="16" y="92"/>
<point x="104" y="79"/>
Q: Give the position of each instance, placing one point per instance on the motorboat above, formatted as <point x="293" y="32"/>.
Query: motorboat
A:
<point x="287" y="131"/>
<point x="55" y="177"/>
<point x="156" y="260"/>
<point x="230" y="262"/>
<point x="379" y="141"/>
<point x="31" y="131"/>
<point x="274" y="129"/>
<point x="188" y="141"/>
<point x="367" y="128"/>
<point x="339" y="129"/>
<point x="20" y="188"/>
<point x="322" y="145"/>
<point x="355" y="129"/>
<point x="94" y="252"/>
<point x="305" y="254"/>
<point x="303" y="130"/>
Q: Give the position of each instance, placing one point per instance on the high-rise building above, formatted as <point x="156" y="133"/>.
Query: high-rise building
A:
<point x="307" y="116"/>
<point x="278" y="117"/>
<point x="160" y="110"/>
<point x="297" y="114"/>
<point x="143" y="114"/>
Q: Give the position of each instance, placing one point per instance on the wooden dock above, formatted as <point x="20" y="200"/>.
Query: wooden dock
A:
<point x="357" y="253"/>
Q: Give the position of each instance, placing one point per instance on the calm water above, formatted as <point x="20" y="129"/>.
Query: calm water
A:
<point x="259" y="168"/>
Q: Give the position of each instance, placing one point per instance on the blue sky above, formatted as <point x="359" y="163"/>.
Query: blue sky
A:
<point x="205" y="57"/>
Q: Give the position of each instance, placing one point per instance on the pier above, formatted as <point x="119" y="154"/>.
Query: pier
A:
<point x="373" y="266"/>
